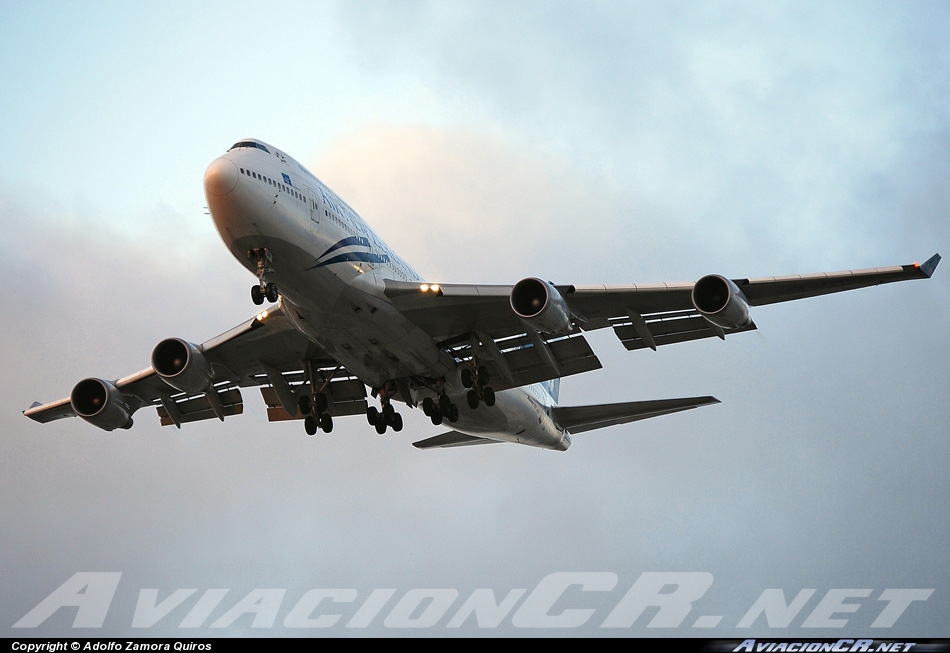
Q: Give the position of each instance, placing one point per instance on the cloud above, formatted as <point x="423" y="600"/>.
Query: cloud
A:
<point x="465" y="205"/>
<point x="583" y="143"/>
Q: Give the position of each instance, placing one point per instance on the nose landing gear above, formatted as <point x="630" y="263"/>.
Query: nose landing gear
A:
<point x="263" y="290"/>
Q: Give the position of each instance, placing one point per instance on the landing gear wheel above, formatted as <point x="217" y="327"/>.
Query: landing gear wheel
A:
<point x="467" y="378"/>
<point x="256" y="295"/>
<point x="483" y="376"/>
<point x="488" y="395"/>
<point x="436" y="418"/>
<point x="444" y="404"/>
<point x="380" y="427"/>
<point x="453" y="413"/>
<point x="326" y="423"/>
<point x="397" y="423"/>
<point x="472" y="397"/>
<point x="320" y="403"/>
<point x="372" y="415"/>
<point x="270" y="291"/>
<point x="389" y="413"/>
<point x="303" y="405"/>
<point x="310" y="425"/>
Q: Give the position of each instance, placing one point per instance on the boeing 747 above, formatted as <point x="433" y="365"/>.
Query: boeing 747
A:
<point x="347" y="314"/>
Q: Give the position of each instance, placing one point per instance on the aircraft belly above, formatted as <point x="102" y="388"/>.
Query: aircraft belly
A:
<point x="375" y="342"/>
<point x="513" y="418"/>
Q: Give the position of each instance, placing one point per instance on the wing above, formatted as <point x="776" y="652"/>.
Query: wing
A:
<point x="264" y="351"/>
<point x="479" y="320"/>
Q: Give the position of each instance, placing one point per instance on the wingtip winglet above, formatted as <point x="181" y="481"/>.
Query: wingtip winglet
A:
<point x="930" y="265"/>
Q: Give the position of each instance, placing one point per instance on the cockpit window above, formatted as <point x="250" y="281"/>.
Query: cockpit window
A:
<point x="259" y="146"/>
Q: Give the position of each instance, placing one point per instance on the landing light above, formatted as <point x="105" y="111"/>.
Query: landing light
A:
<point x="263" y="314"/>
<point x="427" y="287"/>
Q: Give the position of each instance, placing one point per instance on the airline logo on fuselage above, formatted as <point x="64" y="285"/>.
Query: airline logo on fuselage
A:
<point x="359" y="251"/>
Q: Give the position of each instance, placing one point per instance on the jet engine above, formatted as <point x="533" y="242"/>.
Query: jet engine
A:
<point x="540" y="306"/>
<point x="101" y="404"/>
<point x="720" y="301"/>
<point x="181" y="365"/>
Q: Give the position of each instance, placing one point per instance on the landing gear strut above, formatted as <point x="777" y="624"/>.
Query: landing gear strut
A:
<point x="316" y="404"/>
<point x="263" y="290"/>
<point x="476" y="378"/>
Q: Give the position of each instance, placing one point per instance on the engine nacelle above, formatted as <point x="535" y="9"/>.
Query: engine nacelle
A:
<point x="101" y="404"/>
<point x="181" y="365"/>
<point x="720" y="301"/>
<point x="540" y="306"/>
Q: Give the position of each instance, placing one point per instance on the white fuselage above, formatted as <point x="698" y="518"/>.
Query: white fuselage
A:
<point x="330" y="267"/>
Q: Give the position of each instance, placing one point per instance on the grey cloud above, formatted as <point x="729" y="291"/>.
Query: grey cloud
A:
<point x="622" y="146"/>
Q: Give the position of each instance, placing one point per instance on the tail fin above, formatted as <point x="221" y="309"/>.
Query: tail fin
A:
<point x="553" y="388"/>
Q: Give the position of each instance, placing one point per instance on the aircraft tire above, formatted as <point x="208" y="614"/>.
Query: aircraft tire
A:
<point x="320" y="402"/>
<point x="310" y="425"/>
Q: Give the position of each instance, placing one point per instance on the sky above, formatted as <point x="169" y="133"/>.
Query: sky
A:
<point x="582" y="142"/>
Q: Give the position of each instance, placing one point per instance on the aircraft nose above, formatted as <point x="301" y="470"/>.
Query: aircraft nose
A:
<point x="220" y="177"/>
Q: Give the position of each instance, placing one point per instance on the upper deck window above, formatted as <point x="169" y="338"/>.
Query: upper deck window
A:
<point x="259" y="146"/>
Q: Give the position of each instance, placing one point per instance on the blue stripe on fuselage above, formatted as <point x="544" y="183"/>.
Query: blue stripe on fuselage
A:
<point x="362" y="257"/>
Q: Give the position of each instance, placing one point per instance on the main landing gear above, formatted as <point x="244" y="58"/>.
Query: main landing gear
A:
<point x="441" y="409"/>
<point x="387" y="415"/>
<point x="263" y="290"/>
<point x="316" y="416"/>
<point x="479" y="390"/>
<point x="382" y="419"/>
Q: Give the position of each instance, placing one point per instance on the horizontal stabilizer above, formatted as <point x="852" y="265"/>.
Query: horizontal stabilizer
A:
<point x="451" y="439"/>
<point x="578" y="419"/>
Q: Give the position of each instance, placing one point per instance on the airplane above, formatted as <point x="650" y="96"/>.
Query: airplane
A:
<point x="346" y="313"/>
